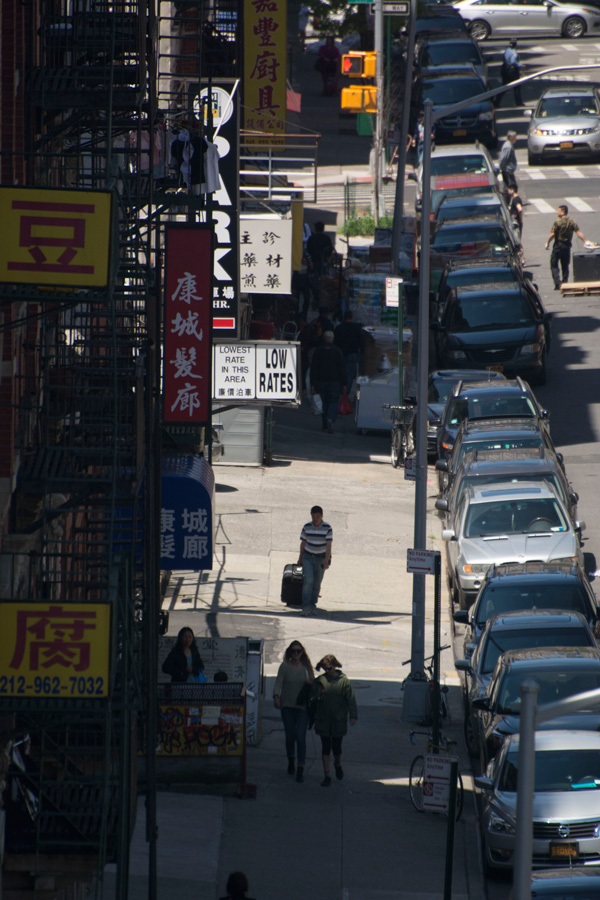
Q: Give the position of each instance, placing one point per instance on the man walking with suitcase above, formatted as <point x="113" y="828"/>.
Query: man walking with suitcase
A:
<point x="316" y="541"/>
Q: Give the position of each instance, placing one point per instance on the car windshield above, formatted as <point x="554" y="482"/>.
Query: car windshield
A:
<point x="555" y="770"/>
<point x="437" y="55"/>
<point x="476" y="314"/>
<point x="554" y="686"/>
<point x="548" y="594"/>
<point x="439" y="389"/>
<point x="466" y="209"/>
<point x="513" y="479"/>
<point x="494" y="444"/>
<point x="498" y="517"/>
<point x="443" y="91"/>
<point x="456" y="237"/>
<point x="438" y="195"/>
<point x="459" y="165"/>
<point x="498" y="643"/>
<point x="480" y="407"/>
<point x="466" y="277"/>
<point x="554" y="107"/>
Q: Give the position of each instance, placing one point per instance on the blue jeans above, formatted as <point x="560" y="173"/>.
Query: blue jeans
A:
<point x="330" y="393"/>
<point x="312" y="571"/>
<point x="295" y="723"/>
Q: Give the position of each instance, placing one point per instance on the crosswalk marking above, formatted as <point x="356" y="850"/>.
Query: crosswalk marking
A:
<point x="536" y="175"/>
<point x="572" y="172"/>
<point x="579" y="204"/>
<point x="541" y="205"/>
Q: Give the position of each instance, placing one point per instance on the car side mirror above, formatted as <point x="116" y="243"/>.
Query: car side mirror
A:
<point x="441" y="465"/>
<point x="544" y="414"/>
<point x="463" y="665"/>
<point x="441" y="505"/>
<point x="480" y="703"/>
<point x="579" y="525"/>
<point x="461" y="616"/>
<point x="528" y="113"/>
<point x="561" y="459"/>
<point x="448" y="534"/>
<point x="483" y="782"/>
<point x="574" y="497"/>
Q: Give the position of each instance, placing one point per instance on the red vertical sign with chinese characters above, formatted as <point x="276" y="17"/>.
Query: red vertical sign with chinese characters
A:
<point x="188" y="338"/>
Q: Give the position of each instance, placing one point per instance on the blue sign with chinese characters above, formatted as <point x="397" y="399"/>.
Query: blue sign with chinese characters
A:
<point x="187" y="521"/>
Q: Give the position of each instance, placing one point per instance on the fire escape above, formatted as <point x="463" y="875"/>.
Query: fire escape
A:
<point x="82" y="419"/>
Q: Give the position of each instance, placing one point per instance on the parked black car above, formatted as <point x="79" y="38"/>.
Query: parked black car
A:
<point x="500" y="326"/>
<point x="476" y="122"/>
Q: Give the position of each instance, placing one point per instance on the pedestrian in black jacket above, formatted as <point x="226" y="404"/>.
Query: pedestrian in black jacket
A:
<point x="328" y="378"/>
<point x="184" y="662"/>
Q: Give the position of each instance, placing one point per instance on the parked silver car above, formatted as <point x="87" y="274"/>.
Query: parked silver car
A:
<point x="565" y="124"/>
<point x="566" y="807"/>
<point x="489" y="18"/>
<point x="500" y="523"/>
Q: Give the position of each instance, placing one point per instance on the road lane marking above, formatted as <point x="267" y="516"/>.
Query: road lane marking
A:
<point x="579" y="204"/>
<point x="572" y="172"/>
<point x="536" y="175"/>
<point x="541" y="205"/>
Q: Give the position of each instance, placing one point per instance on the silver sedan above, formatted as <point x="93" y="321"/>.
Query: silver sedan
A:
<point x="486" y="18"/>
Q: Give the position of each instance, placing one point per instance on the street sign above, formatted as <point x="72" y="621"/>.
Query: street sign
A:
<point x="410" y="468"/>
<point x="396" y="9"/>
<point x="391" y="291"/>
<point x="421" y="562"/>
<point x="436" y="782"/>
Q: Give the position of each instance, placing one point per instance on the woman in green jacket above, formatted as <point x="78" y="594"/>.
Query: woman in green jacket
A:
<point x="335" y="704"/>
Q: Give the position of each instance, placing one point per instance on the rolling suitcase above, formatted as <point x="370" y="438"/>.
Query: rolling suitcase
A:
<point x="586" y="266"/>
<point x="291" y="585"/>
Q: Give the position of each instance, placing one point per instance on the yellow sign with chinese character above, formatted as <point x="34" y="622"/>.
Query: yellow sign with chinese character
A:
<point x="55" y="650"/>
<point x="265" y="29"/>
<point x="51" y="237"/>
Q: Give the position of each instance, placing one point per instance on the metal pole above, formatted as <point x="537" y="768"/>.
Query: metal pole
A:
<point x="450" y="831"/>
<point x="525" y="788"/>
<point x="437" y="627"/>
<point x="402" y="146"/>
<point x="418" y="605"/>
<point x="378" y="146"/>
<point x="400" y="334"/>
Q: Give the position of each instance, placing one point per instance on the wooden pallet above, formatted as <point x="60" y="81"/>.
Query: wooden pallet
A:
<point x="579" y="288"/>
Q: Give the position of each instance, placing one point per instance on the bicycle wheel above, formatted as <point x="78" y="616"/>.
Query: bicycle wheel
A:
<point x="415" y="782"/>
<point x="395" y="451"/>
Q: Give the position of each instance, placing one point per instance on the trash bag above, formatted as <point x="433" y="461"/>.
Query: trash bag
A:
<point x="345" y="407"/>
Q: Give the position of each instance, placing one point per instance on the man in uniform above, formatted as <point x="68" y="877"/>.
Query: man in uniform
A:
<point x="562" y="232"/>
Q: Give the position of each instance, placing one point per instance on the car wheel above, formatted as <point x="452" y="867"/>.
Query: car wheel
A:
<point x="533" y="159"/>
<point x="574" y="27"/>
<point x="480" y="30"/>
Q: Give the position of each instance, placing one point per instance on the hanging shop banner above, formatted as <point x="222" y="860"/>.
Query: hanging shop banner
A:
<point x="50" y="237"/>
<point x="188" y="256"/>
<point x="266" y="372"/>
<point x="55" y="650"/>
<point x="265" y="31"/>
<point x="265" y="255"/>
<point x="187" y="520"/>
<point x="201" y="720"/>
<point x="224" y="102"/>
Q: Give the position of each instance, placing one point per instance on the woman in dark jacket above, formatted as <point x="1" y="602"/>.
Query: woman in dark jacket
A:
<point x="335" y="703"/>
<point x="184" y="662"/>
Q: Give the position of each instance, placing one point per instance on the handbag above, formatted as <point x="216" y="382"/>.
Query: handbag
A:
<point x="304" y="695"/>
<point x="345" y="407"/>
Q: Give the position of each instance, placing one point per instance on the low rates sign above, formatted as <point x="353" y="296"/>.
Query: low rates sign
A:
<point x="266" y="372"/>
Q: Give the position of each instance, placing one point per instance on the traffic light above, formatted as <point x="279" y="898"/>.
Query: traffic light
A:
<point x="359" y="99"/>
<point x="357" y="64"/>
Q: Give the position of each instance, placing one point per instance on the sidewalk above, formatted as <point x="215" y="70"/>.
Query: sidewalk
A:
<point x="361" y="839"/>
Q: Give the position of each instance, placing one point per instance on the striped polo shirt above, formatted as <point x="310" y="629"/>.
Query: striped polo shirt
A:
<point x="316" y="537"/>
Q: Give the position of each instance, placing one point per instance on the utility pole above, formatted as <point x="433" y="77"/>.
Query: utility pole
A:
<point x="377" y="168"/>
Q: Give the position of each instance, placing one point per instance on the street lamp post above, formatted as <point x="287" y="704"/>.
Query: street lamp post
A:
<point x="415" y="679"/>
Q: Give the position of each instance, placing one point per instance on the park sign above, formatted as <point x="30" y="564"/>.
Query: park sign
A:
<point x="257" y="373"/>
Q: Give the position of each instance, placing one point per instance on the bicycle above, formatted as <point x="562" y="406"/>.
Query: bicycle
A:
<point x="428" y="665"/>
<point x="403" y="436"/>
<point x="416" y="774"/>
